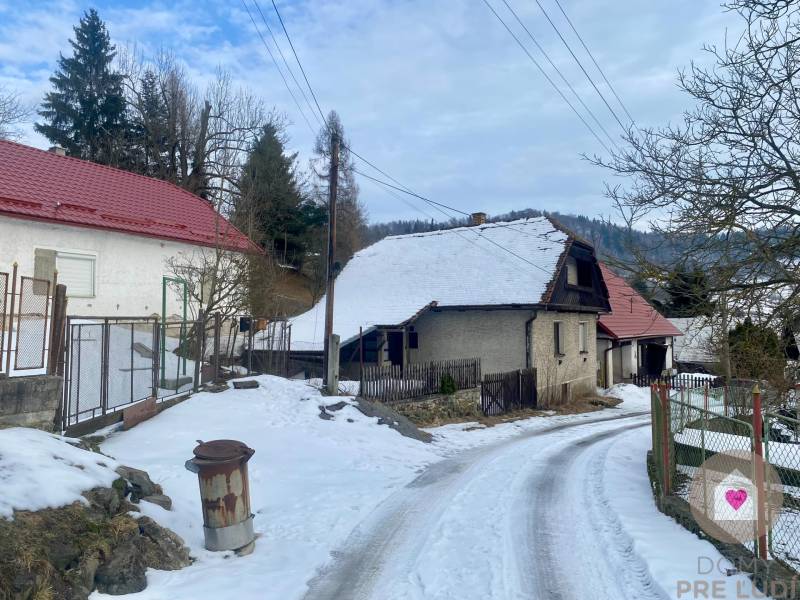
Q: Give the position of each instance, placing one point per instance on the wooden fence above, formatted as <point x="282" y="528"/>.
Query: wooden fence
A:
<point x="393" y="383"/>
<point x="506" y="392"/>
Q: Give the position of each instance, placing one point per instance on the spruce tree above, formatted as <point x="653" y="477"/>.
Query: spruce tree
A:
<point x="85" y="112"/>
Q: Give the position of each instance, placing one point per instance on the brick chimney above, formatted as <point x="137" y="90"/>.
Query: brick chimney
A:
<point x="57" y="150"/>
<point x="477" y="218"/>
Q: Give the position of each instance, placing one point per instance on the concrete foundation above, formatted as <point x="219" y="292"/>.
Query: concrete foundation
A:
<point x="30" y="401"/>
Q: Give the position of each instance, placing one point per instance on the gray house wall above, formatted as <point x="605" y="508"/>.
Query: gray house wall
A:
<point x="574" y="373"/>
<point x="498" y="338"/>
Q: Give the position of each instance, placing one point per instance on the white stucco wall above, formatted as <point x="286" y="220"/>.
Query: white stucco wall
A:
<point x="128" y="268"/>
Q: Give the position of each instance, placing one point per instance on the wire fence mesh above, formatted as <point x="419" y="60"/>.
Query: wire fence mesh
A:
<point x="32" y="320"/>
<point x="706" y="442"/>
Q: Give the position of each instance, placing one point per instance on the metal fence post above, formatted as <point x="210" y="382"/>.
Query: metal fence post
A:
<point x="758" y="430"/>
<point x="665" y="428"/>
<point x="156" y="362"/>
<point x="217" y="343"/>
<point x="11" y="319"/>
<point x="199" y="334"/>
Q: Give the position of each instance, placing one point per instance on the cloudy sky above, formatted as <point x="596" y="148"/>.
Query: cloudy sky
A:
<point x="437" y="94"/>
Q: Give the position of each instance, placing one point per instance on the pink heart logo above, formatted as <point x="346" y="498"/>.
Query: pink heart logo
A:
<point x="736" y="498"/>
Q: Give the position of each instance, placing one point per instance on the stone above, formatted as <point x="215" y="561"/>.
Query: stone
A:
<point x="164" y="550"/>
<point x="387" y="416"/>
<point x="247" y="384"/>
<point x="139" y="481"/>
<point x="107" y="499"/>
<point x="161" y="500"/>
<point x="124" y="572"/>
<point x="324" y="415"/>
<point x="139" y="412"/>
<point x="336" y="407"/>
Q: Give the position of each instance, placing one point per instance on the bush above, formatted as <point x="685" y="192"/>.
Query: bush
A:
<point x="447" y="385"/>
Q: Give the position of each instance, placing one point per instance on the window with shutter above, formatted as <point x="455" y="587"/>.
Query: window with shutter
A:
<point x="77" y="272"/>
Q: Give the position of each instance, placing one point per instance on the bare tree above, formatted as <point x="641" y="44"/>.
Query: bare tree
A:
<point x="13" y="112"/>
<point x="725" y="181"/>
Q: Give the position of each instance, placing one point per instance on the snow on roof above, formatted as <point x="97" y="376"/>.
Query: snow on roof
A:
<point x="631" y="316"/>
<point x="695" y="345"/>
<point x="41" y="470"/>
<point x="391" y="281"/>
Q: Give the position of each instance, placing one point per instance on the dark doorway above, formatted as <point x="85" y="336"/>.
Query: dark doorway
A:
<point x="655" y="356"/>
<point x="395" y="342"/>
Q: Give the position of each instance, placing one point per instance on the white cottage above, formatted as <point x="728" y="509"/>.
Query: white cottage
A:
<point x="108" y="232"/>
<point x="516" y="295"/>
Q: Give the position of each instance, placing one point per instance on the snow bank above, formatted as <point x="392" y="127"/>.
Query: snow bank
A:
<point x="41" y="470"/>
<point x="311" y="482"/>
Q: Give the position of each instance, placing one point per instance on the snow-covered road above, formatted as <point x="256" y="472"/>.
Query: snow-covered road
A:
<point x="540" y="516"/>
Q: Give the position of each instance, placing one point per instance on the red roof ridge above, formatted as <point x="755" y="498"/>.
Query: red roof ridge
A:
<point x="31" y="181"/>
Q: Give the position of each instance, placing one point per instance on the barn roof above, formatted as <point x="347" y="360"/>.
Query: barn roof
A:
<point x="631" y="316"/>
<point x="44" y="186"/>
<point x="395" y="279"/>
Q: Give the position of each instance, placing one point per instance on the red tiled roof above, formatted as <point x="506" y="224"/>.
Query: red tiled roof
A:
<point x="631" y="316"/>
<point x="44" y="186"/>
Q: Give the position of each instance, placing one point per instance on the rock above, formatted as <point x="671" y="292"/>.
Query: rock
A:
<point x="335" y="407"/>
<point x="125" y="571"/>
<point x="140" y="483"/>
<point x="164" y="550"/>
<point x="161" y="500"/>
<point x="324" y="415"/>
<point x="387" y="416"/>
<point x="247" y="384"/>
<point x="106" y="499"/>
<point x="216" y="388"/>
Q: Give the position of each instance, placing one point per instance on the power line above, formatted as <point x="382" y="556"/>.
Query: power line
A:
<point x="580" y="64"/>
<point x="277" y="66"/>
<point x="602" y="74"/>
<point x="546" y="76"/>
<point x="409" y="192"/>
<point x="297" y="58"/>
<point x="285" y="62"/>
<point x="557" y="70"/>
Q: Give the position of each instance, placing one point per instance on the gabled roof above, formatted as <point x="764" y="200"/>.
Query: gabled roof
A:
<point x="392" y="281"/>
<point x="696" y="344"/>
<point x="631" y="316"/>
<point x="43" y="186"/>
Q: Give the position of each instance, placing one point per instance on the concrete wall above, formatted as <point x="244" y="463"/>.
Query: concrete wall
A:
<point x="578" y="370"/>
<point x="497" y="337"/>
<point x="29" y="401"/>
<point x="128" y="268"/>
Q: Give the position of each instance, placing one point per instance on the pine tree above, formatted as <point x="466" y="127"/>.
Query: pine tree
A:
<point x="271" y="206"/>
<point x="85" y="112"/>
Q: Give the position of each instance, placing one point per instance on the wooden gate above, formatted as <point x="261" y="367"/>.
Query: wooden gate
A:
<point x="506" y="392"/>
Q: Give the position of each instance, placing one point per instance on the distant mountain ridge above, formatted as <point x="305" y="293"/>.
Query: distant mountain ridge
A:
<point x="610" y="240"/>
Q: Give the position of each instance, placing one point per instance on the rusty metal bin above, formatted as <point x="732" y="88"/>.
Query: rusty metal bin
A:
<point x="221" y="467"/>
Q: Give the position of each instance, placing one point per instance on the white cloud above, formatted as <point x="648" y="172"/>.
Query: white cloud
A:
<point x="436" y="93"/>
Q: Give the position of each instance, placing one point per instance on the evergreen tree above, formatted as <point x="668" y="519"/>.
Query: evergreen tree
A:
<point x="272" y="206"/>
<point x="687" y="291"/>
<point x="85" y="112"/>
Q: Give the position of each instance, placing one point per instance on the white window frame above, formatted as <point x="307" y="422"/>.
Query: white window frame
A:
<point x="583" y="337"/>
<point x="88" y="256"/>
<point x="558" y="338"/>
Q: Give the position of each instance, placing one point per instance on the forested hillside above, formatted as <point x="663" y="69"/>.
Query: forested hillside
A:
<point x="609" y="239"/>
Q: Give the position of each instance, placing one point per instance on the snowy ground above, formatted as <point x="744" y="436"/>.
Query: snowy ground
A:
<point x="549" y="507"/>
<point x="359" y="511"/>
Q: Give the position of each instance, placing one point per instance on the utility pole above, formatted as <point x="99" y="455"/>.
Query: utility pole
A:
<point x="330" y="382"/>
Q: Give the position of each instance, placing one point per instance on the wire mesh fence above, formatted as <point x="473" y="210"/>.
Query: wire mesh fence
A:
<point x="111" y="363"/>
<point x="707" y="449"/>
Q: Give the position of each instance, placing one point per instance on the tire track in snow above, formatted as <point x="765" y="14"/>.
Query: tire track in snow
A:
<point x="408" y="525"/>
<point x="580" y="547"/>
